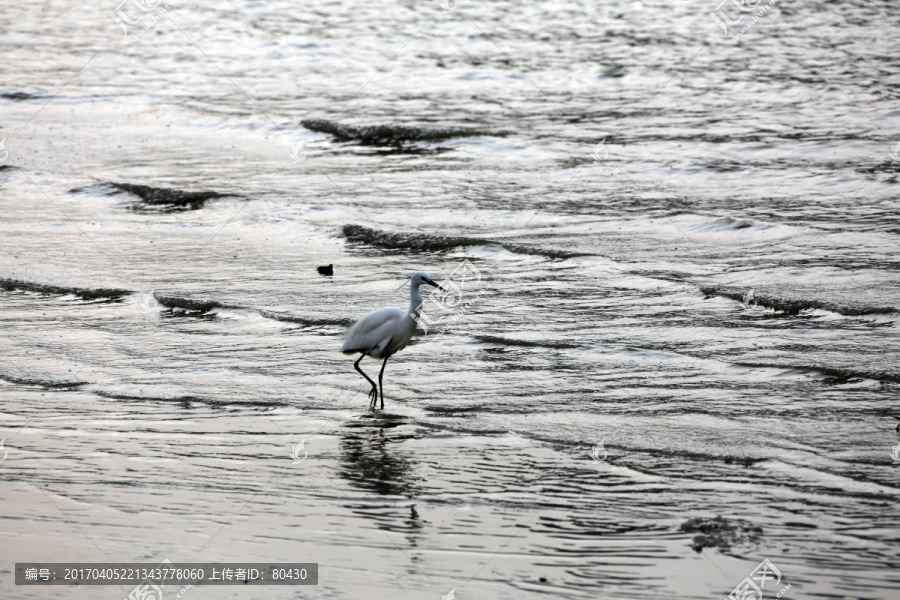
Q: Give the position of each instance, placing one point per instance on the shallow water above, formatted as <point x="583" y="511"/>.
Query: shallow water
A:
<point x="168" y="342"/>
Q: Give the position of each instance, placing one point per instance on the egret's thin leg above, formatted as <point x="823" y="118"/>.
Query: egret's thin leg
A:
<point x="374" y="391"/>
<point x="380" y="385"/>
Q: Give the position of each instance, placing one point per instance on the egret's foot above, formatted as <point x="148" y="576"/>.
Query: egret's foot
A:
<point x="373" y="397"/>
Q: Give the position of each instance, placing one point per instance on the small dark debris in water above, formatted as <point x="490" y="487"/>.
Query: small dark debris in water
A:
<point x="719" y="532"/>
<point x="542" y="579"/>
<point x="326" y="270"/>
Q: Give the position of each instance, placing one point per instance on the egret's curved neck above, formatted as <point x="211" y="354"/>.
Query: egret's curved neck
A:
<point x="415" y="300"/>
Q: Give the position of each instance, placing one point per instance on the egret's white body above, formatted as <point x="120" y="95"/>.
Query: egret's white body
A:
<point x="386" y="331"/>
<point x="380" y="333"/>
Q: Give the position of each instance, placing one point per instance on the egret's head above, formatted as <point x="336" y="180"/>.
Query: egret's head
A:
<point x="420" y="277"/>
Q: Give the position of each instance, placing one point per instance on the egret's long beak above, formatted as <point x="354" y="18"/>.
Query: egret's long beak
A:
<point x="431" y="282"/>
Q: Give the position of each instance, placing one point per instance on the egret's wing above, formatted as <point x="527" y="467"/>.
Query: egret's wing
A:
<point x="373" y="329"/>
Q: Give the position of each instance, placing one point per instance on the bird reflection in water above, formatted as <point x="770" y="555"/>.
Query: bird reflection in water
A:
<point x="375" y="462"/>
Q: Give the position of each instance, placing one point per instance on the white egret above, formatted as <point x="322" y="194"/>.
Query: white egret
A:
<point x="383" y="332"/>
